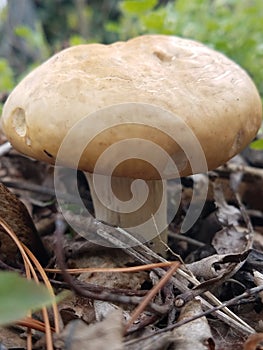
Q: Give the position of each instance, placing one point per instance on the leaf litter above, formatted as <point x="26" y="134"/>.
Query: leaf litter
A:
<point x="220" y="265"/>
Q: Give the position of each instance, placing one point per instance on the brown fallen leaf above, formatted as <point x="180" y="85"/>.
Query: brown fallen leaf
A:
<point x="232" y="238"/>
<point x="11" y="339"/>
<point x="254" y="342"/>
<point x="14" y="213"/>
<point x="100" y="336"/>
<point x="195" y="334"/>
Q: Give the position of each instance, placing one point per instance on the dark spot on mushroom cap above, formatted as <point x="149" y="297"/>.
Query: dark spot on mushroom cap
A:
<point x="48" y="154"/>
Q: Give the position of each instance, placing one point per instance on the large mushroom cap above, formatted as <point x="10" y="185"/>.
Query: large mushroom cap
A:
<point x="183" y="79"/>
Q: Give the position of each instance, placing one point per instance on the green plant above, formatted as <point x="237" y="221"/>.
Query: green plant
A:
<point x="35" y="40"/>
<point x="6" y="76"/>
<point x="7" y="81"/>
<point x="18" y="296"/>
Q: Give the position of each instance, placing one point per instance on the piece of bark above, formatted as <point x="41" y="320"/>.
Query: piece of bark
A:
<point x="15" y="215"/>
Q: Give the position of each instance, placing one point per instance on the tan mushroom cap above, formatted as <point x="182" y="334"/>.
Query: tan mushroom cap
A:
<point x="214" y="97"/>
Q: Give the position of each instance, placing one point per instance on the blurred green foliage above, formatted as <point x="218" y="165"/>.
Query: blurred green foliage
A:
<point x="18" y="296"/>
<point x="77" y="20"/>
<point x="7" y="81"/>
<point x="35" y="39"/>
<point x="234" y="27"/>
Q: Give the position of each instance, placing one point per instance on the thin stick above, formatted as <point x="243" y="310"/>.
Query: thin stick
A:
<point x="48" y="285"/>
<point x="26" y="186"/>
<point x="245" y="169"/>
<point x="5" y="148"/>
<point x="141" y="307"/>
<point x="226" y="315"/>
<point x="35" y="324"/>
<point x="28" y="264"/>
<point x="230" y="302"/>
<point x="113" y="269"/>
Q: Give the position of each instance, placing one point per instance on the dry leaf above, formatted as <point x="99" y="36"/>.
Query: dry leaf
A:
<point x="195" y="334"/>
<point x="232" y="240"/>
<point x="100" y="336"/>
<point x="217" y="265"/>
<point x="103" y="309"/>
<point x="227" y="215"/>
<point x="254" y="342"/>
<point x="15" y="215"/>
<point x="258" y="279"/>
<point x="11" y="339"/>
<point x="155" y="342"/>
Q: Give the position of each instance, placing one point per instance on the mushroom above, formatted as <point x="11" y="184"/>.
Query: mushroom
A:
<point x="152" y="108"/>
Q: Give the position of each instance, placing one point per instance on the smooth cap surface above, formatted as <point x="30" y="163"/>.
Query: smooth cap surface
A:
<point x="186" y="81"/>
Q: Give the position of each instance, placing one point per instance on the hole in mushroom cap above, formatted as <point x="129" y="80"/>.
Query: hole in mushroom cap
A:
<point x="19" y="121"/>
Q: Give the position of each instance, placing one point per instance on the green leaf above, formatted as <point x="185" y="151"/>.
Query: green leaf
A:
<point x="111" y="26"/>
<point x="23" y="32"/>
<point x="77" y="40"/>
<point x="6" y="76"/>
<point x="18" y="296"/>
<point x="34" y="38"/>
<point x="257" y="145"/>
<point x="137" y="6"/>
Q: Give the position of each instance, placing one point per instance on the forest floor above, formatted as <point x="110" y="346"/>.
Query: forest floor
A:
<point x="205" y="294"/>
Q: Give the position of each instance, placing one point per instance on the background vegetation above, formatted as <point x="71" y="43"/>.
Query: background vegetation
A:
<point x="32" y="30"/>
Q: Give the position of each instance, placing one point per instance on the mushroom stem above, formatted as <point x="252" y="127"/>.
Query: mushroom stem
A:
<point x="151" y="215"/>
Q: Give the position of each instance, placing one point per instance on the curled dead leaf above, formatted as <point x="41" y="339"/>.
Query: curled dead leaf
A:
<point x="14" y="213"/>
<point x="195" y="334"/>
